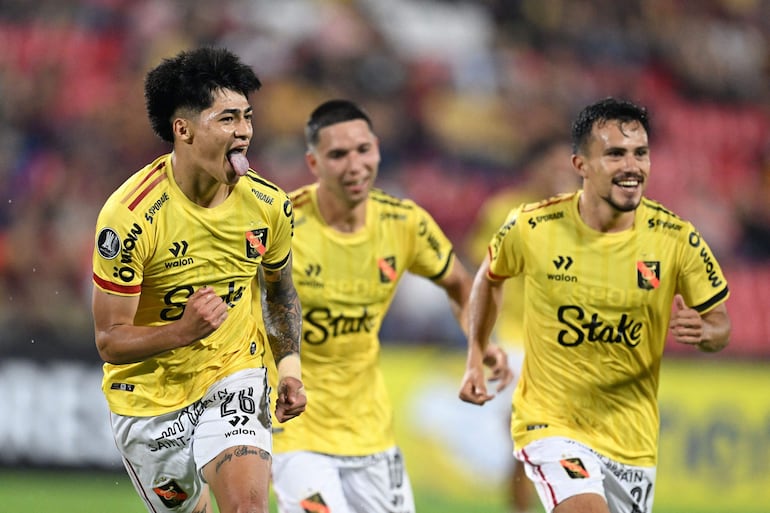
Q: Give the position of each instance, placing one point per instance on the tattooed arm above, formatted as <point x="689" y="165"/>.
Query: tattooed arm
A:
<point x="283" y="322"/>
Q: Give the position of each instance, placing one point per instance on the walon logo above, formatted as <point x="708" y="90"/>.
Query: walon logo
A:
<point x="563" y="261"/>
<point x="179" y="249"/>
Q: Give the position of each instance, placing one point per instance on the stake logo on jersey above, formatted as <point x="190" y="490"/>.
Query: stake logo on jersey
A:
<point x="648" y="275"/>
<point x="255" y="242"/>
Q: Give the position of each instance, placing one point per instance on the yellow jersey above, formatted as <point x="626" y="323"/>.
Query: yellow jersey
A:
<point x="596" y="313"/>
<point x="152" y="241"/>
<point x="346" y="282"/>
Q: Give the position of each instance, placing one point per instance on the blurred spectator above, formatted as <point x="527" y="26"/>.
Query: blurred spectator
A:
<point x="456" y="107"/>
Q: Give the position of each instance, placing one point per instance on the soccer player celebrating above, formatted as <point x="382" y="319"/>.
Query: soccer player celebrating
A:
<point x="352" y="245"/>
<point x="177" y="249"/>
<point x="607" y="273"/>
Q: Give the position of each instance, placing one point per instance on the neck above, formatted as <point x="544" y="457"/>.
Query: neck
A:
<point x="602" y="217"/>
<point x="343" y="217"/>
<point x="199" y="187"/>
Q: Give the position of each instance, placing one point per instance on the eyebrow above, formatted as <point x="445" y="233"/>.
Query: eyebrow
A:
<point x="236" y="111"/>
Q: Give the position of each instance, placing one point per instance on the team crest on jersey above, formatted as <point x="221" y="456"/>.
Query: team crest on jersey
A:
<point x="387" y="267"/>
<point x="171" y="494"/>
<point x="314" y="504"/>
<point x="256" y="241"/>
<point x="108" y="243"/>
<point x="648" y="274"/>
<point x="574" y="468"/>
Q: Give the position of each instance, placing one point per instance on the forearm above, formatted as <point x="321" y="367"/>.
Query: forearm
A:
<point x="483" y="309"/>
<point x="716" y="331"/>
<point x="282" y="314"/>
<point x="124" y="344"/>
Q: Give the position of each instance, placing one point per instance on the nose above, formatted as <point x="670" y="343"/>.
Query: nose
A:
<point x="244" y="129"/>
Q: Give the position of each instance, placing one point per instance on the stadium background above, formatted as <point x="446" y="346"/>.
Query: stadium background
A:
<point x="459" y="91"/>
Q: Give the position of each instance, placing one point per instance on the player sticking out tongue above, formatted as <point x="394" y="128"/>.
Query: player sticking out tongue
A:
<point x="239" y="162"/>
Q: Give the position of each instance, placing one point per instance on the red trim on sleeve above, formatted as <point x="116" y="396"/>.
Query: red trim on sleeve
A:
<point x="118" y="289"/>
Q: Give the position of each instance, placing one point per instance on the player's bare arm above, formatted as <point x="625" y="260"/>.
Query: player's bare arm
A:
<point x="457" y="285"/>
<point x="283" y="322"/>
<point x="119" y="341"/>
<point x="485" y="298"/>
<point x="710" y="331"/>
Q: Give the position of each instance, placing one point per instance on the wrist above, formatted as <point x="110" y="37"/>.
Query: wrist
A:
<point x="290" y="367"/>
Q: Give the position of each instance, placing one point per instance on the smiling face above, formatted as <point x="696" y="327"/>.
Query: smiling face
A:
<point x="615" y="166"/>
<point x="211" y="137"/>
<point x="345" y="161"/>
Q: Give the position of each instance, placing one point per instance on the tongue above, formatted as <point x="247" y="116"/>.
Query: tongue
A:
<point x="239" y="162"/>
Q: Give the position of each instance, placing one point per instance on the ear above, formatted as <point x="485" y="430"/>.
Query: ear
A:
<point x="182" y="130"/>
<point x="579" y="164"/>
<point x="312" y="162"/>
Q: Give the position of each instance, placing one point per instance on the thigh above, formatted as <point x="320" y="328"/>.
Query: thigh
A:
<point x="379" y="484"/>
<point x="157" y="454"/>
<point x="232" y="440"/>
<point x="629" y="489"/>
<point x="562" y="469"/>
<point x="307" y="481"/>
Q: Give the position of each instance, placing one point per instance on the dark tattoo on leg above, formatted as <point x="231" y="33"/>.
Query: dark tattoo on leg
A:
<point x="243" y="450"/>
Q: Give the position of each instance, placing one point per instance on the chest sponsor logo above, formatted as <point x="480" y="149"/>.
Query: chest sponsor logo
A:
<point x="321" y="323"/>
<point x="648" y="274"/>
<point x="256" y="242"/>
<point x="581" y="326"/>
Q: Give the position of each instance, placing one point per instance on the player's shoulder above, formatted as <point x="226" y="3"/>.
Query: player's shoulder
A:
<point x="142" y="190"/>
<point x="388" y="201"/>
<point x="303" y="196"/>
<point x="263" y="190"/>
<point x="660" y="219"/>
<point x="553" y="208"/>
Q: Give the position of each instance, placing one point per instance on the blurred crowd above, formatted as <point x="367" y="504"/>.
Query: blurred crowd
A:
<point x="459" y="91"/>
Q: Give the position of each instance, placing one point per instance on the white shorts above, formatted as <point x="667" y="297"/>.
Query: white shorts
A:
<point x="561" y="468"/>
<point x="164" y="455"/>
<point x="306" y="481"/>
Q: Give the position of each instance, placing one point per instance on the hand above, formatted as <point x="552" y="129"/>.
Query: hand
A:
<point x="474" y="387"/>
<point x="686" y="324"/>
<point x="497" y="360"/>
<point x="203" y="313"/>
<point x="291" y="400"/>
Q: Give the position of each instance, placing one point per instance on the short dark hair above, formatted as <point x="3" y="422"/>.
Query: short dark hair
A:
<point x="330" y="113"/>
<point x="606" y="110"/>
<point x="189" y="80"/>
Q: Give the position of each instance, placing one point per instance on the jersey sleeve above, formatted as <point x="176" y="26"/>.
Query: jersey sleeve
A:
<point x="120" y="249"/>
<point x="702" y="283"/>
<point x="279" y="245"/>
<point x="505" y="257"/>
<point x="433" y="253"/>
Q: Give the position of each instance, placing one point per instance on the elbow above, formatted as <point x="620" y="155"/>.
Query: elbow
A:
<point x="107" y="351"/>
